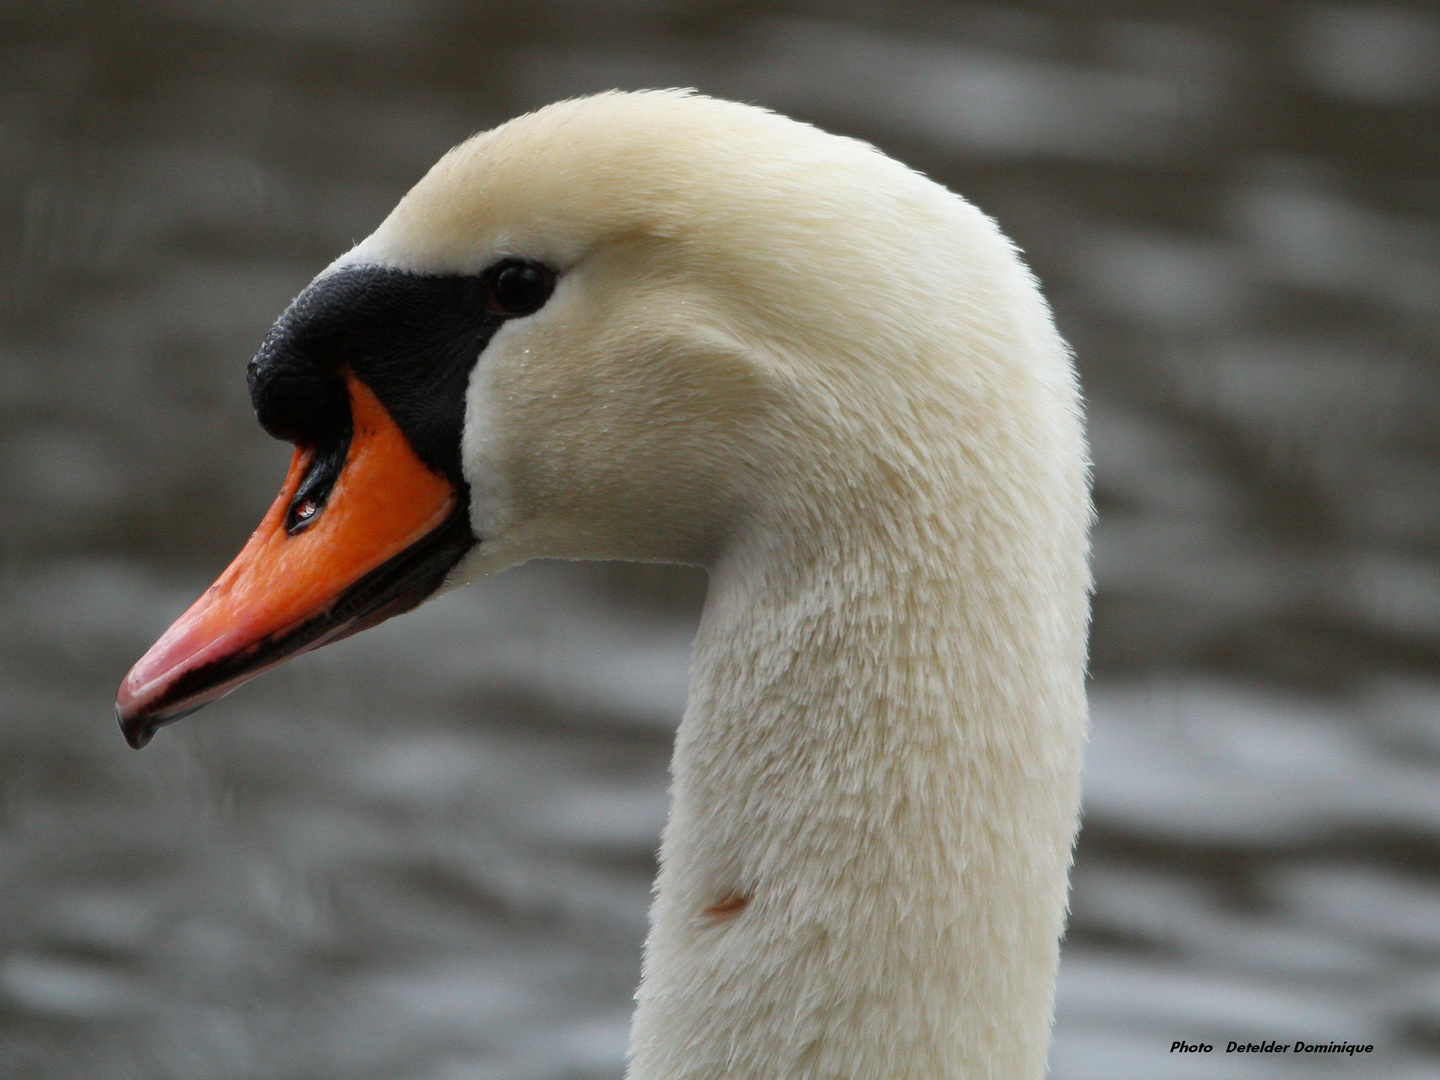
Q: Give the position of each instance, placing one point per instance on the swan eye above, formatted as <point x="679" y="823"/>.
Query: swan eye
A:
<point x="519" y="288"/>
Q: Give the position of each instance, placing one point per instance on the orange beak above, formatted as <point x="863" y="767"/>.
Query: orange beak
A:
<point x="385" y="538"/>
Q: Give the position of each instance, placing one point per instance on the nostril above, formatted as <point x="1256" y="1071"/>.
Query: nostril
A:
<point x="313" y="492"/>
<point x="303" y="512"/>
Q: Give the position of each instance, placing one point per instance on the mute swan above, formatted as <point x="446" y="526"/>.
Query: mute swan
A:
<point x="659" y="326"/>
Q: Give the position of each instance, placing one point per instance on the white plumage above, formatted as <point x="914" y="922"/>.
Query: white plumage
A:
<point x="783" y="356"/>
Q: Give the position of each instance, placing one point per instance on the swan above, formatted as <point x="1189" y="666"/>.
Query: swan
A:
<point x="659" y="326"/>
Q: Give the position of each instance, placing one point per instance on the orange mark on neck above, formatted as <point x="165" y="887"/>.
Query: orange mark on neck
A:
<point x="728" y="905"/>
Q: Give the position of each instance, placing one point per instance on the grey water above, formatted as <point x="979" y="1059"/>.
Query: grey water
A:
<point x="425" y="853"/>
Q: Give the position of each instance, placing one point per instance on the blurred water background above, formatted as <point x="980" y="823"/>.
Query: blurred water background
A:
<point x="425" y="854"/>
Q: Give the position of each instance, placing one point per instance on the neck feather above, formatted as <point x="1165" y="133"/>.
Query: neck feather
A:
<point x="881" y="755"/>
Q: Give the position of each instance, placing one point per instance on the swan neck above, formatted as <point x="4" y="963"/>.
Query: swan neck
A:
<point x="880" y="756"/>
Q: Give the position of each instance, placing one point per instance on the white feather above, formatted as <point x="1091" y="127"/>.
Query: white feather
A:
<point x="782" y="355"/>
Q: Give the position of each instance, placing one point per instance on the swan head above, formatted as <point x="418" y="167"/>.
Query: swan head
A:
<point x="634" y="326"/>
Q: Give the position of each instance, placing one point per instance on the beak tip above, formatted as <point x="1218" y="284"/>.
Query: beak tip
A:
<point x="149" y="697"/>
<point x="137" y="728"/>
